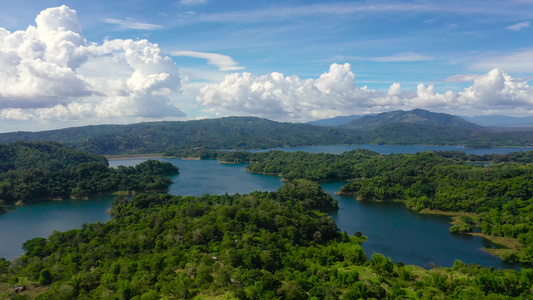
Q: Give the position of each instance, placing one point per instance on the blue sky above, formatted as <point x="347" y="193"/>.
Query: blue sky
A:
<point x="69" y="63"/>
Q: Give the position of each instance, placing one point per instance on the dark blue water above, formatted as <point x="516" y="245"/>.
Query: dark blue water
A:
<point x="392" y="229"/>
<point x="407" y="236"/>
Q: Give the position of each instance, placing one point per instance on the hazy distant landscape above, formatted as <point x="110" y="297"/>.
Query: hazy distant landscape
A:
<point x="416" y="127"/>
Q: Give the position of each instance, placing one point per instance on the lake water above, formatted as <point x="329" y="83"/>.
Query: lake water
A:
<point x="391" y="228"/>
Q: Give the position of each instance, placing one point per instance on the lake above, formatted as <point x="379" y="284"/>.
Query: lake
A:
<point x="391" y="228"/>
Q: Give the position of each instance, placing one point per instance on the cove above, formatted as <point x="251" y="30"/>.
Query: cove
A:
<point x="407" y="236"/>
<point x="393" y="230"/>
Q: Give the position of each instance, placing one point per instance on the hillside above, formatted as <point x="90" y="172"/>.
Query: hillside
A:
<point x="394" y="128"/>
<point x="500" y="121"/>
<point x="336" y="121"/>
<point x="416" y="116"/>
<point x="223" y="133"/>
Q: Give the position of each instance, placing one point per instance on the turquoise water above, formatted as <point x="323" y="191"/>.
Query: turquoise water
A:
<point x="392" y="229"/>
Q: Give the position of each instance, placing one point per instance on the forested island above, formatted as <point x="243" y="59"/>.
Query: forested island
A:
<point x="39" y="171"/>
<point x="493" y="192"/>
<point x="264" y="245"/>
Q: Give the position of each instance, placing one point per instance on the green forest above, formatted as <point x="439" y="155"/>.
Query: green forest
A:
<point x="38" y="171"/>
<point x="264" y="245"/>
<point x="257" y="133"/>
<point x="496" y="189"/>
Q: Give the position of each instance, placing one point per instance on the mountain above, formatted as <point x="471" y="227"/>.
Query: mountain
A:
<point x="222" y="133"/>
<point x="336" y="121"/>
<point x="500" y="121"/>
<point x="416" y="127"/>
<point x="416" y="116"/>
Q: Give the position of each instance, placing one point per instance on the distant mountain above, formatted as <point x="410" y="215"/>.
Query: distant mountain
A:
<point x="500" y="121"/>
<point x="416" y="116"/>
<point x="416" y="127"/>
<point x="222" y="133"/>
<point x="336" y="121"/>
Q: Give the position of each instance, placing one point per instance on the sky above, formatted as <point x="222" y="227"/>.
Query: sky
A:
<point x="76" y="63"/>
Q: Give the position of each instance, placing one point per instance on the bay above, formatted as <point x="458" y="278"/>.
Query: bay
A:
<point x="392" y="229"/>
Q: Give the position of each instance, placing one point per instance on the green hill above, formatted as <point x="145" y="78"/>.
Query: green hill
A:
<point x="416" y="116"/>
<point x="223" y="133"/>
<point x="395" y="128"/>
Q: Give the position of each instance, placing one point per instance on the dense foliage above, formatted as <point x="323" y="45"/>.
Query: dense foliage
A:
<point x="36" y="171"/>
<point x="499" y="191"/>
<point x="257" y="246"/>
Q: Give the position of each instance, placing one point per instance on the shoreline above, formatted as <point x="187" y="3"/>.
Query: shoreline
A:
<point x="510" y="245"/>
<point x="133" y="156"/>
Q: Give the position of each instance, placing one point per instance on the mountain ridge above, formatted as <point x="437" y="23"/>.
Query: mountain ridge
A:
<point x="415" y="116"/>
<point x="416" y="127"/>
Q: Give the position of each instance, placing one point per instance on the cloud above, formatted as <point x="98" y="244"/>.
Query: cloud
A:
<point x="499" y="89"/>
<point x="223" y="62"/>
<point x="341" y="9"/>
<point x="49" y="71"/>
<point x="193" y="2"/>
<point x="402" y="57"/>
<point x="131" y="24"/>
<point x="518" y="26"/>
<point x="462" y="78"/>
<point x="334" y="93"/>
<point x="521" y="61"/>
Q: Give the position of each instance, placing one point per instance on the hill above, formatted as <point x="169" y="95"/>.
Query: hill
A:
<point x="336" y="121"/>
<point x="394" y="128"/>
<point x="500" y="121"/>
<point x="223" y="133"/>
<point x="416" y="116"/>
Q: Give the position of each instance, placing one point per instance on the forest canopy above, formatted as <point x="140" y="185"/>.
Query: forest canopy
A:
<point x="264" y="245"/>
<point x="37" y="171"/>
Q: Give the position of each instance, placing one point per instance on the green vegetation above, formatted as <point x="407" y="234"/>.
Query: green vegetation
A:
<point x="415" y="116"/>
<point x="273" y="245"/>
<point x="158" y="137"/>
<point x="254" y="133"/>
<point x="499" y="191"/>
<point x="37" y="171"/>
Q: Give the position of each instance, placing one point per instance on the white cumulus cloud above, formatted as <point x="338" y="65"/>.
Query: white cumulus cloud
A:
<point x="335" y="93"/>
<point x="49" y="71"/>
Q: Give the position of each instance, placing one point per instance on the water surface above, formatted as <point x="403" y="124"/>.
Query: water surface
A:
<point x="392" y="229"/>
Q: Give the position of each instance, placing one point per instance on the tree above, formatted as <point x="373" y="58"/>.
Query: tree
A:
<point x="45" y="278"/>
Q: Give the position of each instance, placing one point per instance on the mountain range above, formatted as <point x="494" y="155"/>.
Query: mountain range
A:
<point x="416" y="116"/>
<point x="397" y="127"/>
<point x="488" y="121"/>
